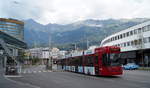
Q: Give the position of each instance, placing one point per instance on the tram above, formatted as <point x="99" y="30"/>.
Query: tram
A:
<point x="105" y="61"/>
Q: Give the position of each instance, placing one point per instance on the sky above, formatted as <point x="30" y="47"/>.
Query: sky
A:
<point x="69" y="11"/>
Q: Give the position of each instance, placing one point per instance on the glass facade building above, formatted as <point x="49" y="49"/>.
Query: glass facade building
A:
<point x="13" y="27"/>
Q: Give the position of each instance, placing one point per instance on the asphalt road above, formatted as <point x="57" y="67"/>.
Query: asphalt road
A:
<point x="130" y="79"/>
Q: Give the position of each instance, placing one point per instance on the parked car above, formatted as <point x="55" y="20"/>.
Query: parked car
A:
<point x="131" y="66"/>
<point x="11" y="70"/>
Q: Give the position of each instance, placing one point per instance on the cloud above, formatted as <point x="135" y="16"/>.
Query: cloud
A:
<point x="67" y="11"/>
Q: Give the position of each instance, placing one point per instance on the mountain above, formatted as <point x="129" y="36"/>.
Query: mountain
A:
<point x="78" y="32"/>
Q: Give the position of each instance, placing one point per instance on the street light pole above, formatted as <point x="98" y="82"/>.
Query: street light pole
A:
<point x="50" y="55"/>
<point x="87" y="43"/>
<point x="75" y="46"/>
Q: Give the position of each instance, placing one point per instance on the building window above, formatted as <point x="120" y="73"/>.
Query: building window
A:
<point x="128" y="43"/>
<point x="125" y="44"/>
<point x="144" y="29"/>
<point x="115" y="37"/>
<point x="121" y="36"/>
<point x="109" y="40"/>
<point x="127" y="34"/>
<point x="139" y="41"/>
<point x="135" y="42"/>
<point x="131" y="32"/>
<point x="122" y="44"/>
<point x="118" y="36"/>
<point x="132" y="42"/>
<point x="135" y="31"/>
<point x="124" y="35"/>
<point x="139" y="30"/>
<point x="145" y="40"/>
<point x="149" y="39"/>
<point x="148" y="27"/>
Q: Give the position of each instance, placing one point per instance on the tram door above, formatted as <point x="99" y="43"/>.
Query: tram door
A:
<point x="96" y="65"/>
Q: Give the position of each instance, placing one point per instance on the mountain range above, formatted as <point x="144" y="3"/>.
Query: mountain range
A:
<point x="80" y="32"/>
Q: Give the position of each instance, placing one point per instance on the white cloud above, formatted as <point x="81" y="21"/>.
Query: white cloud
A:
<point x="67" y="11"/>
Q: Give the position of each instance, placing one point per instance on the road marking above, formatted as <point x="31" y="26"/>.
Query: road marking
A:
<point x="44" y="71"/>
<point x="12" y="76"/>
<point x="49" y="71"/>
<point x="28" y="71"/>
<point x="34" y="71"/>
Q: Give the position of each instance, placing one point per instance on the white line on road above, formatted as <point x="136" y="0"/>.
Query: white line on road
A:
<point x="34" y="71"/>
<point x="31" y="71"/>
<point x="12" y="76"/>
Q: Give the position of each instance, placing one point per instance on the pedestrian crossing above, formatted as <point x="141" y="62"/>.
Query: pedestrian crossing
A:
<point x="32" y="71"/>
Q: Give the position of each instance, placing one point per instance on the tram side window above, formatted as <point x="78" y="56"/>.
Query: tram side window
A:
<point x="70" y="61"/>
<point x="96" y="59"/>
<point x="90" y="60"/>
<point x="75" y="61"/>
<point x="80" y="61"/>
<point x="105" y="59"/>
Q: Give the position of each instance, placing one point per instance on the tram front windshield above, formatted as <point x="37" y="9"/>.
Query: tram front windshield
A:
<point x="111" y="59"/>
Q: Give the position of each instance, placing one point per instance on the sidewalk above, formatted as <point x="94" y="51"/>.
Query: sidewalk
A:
<point x="144" y="68"/>
<point x="7" y="83"/>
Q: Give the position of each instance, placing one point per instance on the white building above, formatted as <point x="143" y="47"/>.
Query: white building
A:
<point x="135" y="39"/>
<point x="34" y="52"/>
<point x="45" y="53"/>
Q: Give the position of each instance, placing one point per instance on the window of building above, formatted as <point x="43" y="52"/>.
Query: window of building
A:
<point x="148" y="27"/>
<point x="124" y="35"/>
<point x="121" y="36"/>
<point x="118" y="36"/>
<point x="111" y="39"/>
<point x="149" y="39"/>
<point x="125" y="44"/>
<point x="139" y="41"/>
<point x="144" y="29"/>
<point x="135" y="42"/>
<point x="144" y="40"/>
<point x="128" y="43"/>
<point x="115" y="37"/>
<point x="132" y="43"/>
<point x="127" y="34"/>
<point x="131" y="32"/>
<point x="139" y="30"/>
<point x="135" y="31"/>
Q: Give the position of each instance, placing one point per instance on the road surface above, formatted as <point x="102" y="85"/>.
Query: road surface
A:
<point x="48" y="79"/>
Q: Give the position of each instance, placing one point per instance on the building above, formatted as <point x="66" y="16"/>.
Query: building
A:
<point x="34" y="52"/>
<point x="75" y="53"/>
<point x="11" y="43"/>
<point x="12" y="27"/>
<point x="44" y="54"/>
<point x="134" y="43"/>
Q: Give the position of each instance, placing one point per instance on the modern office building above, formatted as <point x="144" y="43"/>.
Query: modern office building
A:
<point x="134" y="42"/>
<point x="12" y="27"/>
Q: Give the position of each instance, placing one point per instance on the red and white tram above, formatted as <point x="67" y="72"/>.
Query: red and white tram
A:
<point x="104" y="61"/>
